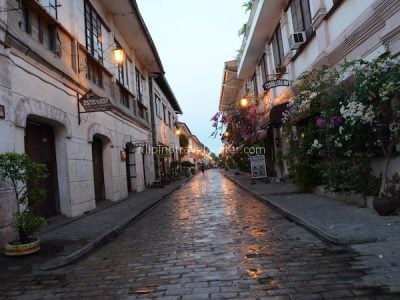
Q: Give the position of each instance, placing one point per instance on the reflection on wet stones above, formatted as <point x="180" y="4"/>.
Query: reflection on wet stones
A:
<point x="208" y="240"/>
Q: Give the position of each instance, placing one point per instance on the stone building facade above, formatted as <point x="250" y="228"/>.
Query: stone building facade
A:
<point x="52" y="54"/>
<point x="165" y="110"/>
<point x="286" y="38"/>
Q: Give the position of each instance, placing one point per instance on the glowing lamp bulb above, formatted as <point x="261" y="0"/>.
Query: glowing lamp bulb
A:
<point x="244" y="102"/>
<point x="118" y="55"/>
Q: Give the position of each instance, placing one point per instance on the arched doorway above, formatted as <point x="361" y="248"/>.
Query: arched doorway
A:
<point x="40" y="147"/>
<point x="131" y="175"/>
<point x="98" y="169"/>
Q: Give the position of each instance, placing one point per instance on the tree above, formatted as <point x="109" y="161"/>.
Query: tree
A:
<point x="25" y="177"/>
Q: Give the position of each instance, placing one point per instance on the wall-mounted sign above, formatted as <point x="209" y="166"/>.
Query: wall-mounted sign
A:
<point x="94" y="103"/>
<point x="274" y="83"/>
<point x="122" y="154"/>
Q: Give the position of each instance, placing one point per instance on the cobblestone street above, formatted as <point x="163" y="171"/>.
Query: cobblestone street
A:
<point x="208" y="240"/>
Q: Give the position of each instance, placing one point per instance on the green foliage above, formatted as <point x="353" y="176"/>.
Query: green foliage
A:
<point x="248" y="5"/>
<point x="28" y="223"/>
<point x="239" y="53"/>
<point x="174" y="164"/>
<point x="230" y="163"/>
<point x="342" y="125"/>
<point x="25" y="177"/>
<point x="305" y="167"/>
<point x="187" y="164"/>
<point x="243" y="30"/>
<point x="215" y="157"/>
<point x="242" y="161"/>
<point x="183" y="141"/>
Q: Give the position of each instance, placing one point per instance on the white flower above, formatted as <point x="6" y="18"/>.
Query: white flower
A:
<point x="341" y="129"/>
<point x="356" y="111"/>
<point x="338" y="144"/>
<point x="316" y="144"/>
<point x="348" y="153"/>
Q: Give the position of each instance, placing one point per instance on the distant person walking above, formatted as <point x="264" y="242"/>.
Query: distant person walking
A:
<point x="202" y="169"/>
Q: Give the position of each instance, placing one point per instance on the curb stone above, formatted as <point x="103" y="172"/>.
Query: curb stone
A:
<point x="104" y="238"/>
<point x="317" y="231"/>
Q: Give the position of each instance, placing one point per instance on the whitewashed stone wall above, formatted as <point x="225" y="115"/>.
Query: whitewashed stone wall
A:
<point x="29" y="89"/>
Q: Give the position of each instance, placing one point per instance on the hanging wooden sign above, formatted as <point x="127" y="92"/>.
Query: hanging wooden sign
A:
<point x="94" y="103"/>
<point x="274" y="83"/>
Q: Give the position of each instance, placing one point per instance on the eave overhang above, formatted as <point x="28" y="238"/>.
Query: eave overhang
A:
<point x="130" y="24"/>
<point x="230" y="85"/>
<point x="166" y="89"/>
<point x="262" y="26"/>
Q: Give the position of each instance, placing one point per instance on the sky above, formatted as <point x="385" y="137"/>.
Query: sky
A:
<point x="194" y="39"/>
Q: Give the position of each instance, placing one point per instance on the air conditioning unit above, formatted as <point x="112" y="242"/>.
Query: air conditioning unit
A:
<point x="280" y="70"/>
<point x="297" y="39"/>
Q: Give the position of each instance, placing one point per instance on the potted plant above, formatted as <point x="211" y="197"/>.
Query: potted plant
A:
<point x="389" y="199"/>
<point x="392" y="188"/>
<point x="24" y="175"/>
<point x="186" y="165"/>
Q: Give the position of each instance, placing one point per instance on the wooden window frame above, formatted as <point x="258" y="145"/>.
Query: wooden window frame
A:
<point x="255" y="84"/>
<point x="277" y="47"/>
<point x="93" y="31"/>
<point x="124" y="96"/>
<point x="263" y="68"/>
<point x="140" y="80"/>
<point x="94" y="71"/>
<point x="301" y="16"/>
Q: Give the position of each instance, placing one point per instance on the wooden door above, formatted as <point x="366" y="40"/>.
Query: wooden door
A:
<point x="144" y="168"/>
<point x="98" y="169"/>
<point x="40" y="146"/>
<point x="130" y="168"/>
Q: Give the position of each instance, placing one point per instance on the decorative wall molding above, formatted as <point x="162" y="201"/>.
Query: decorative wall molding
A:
<point x="97" y="128"/>
<point x="29" y="106"/>
<point x="319" y="17"/>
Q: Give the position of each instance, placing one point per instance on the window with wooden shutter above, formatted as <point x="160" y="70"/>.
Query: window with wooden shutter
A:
<point x="277" y="47"/>
<point x="255" y="85"/>
<point x="263" y="68"/>
<point x="301" y="16"/>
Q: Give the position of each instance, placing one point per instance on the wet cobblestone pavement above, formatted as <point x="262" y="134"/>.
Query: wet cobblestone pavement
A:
<point x="208" y="240"/>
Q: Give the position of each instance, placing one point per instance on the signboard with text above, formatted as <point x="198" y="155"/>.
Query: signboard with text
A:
<point x="274" y="83"/>
<point x="258" y="166"/>
<point x="94" y="103"/>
